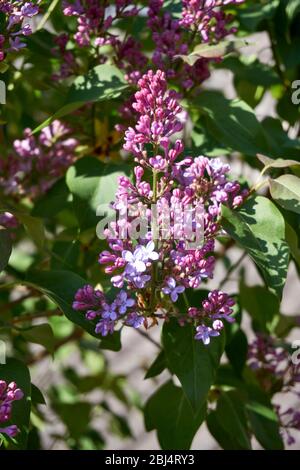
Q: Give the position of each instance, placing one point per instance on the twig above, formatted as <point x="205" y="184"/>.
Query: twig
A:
<point x="142" y="333"/>
<point x="77" y="334"/>
<point x="11" y="304"/>
<point x="232" y="268"/>
<point x="33" y="316"/>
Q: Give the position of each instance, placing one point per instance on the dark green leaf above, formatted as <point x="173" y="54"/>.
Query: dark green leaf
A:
<point x="253" y="15"/>
<point x="237" y="351"/>
<point x="34" y="227"/>
<point x="92" y="184"/>
<point x="54" y="201"/>
<point x="5" y="248"/>
<point x="259" y="228"/>
<point x="40" y="334"/>
<point x="103" y="82"/>
<point x="293" y="242"/>
<point x="191" y="361"/>
<point x="261" y="304"/>
<point x="76" y="416"/>
<point x="169" y="412"/>
<point x="233" y="123"/>
<point x="37" y="397"/>
<point x="228" y="423"/>
<point x="285" y="324"/>
<point x="157" y="366"/>
<point x="265" y="425"/>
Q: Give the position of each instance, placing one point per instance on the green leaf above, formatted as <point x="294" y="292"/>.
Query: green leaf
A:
<point x="65" y="255"/>
<point x="5" y="248"/>
<point x="16" y="371"/>
<point x="76" y="417"/>
<point x="228" y="423"/>
<point x="237" y="351"/>
<point x="92" y="184"/>
<point x="292" y="9"/>
<point x="261" y="304"/>
<point x="281" y="140"/>
<point x="157" y="366"/>
<point x="103" y="82"/>
<point x="265" y="425"/>
<point x="293" y="242"/>
<point x="191" y="361"/>
<point x="251" y="16"/>
<point x="33" y="226"/>
<point x="210" y="51"/>
<point x="54" y="201"/>
<point x="259" y="228"/>
<point x="61" y="287"/>
<point x="37" y="397"/>
<point x="169" y="412"/>
<point x="233" y="123"/>
<point x="278" y="163"/>
<point x="285" y="324"/>
<point x="111" y="342"/>
<point x="286" y="192"/>
<point x="40" y="334"/>
<point x="251" y="70"/>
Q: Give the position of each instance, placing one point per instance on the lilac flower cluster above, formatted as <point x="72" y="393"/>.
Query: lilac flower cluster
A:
<point x="172" y="37"/>
<point x="207" y="18"/>
<point x="159" y="264"/>
<point x="17" y="13"/>
<point x="107" y="313"/>
<point x="95" y="20"/>
<point x="8" y="394"/>
<point x="276" y="373"/>
<point x="37" y="162"/>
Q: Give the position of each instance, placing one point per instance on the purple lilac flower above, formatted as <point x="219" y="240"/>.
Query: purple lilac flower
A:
<point x="275" y="373"/>
<point x="105" y="327"/>
<point x="8" y="220"/>
<point x="15" y="26"/>
<point x="9" y="392"/>
<point x="204" y="333"/>
<point x="87" y="298"/>
<point x="172" y="289"/>
<point x="37" y="162"/>
<point x="124" y="302"/>
<point x="135" y="320"/>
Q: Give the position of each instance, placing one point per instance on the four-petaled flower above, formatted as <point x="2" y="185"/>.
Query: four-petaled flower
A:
<point x="172" y="290"/>
<point x="204" y="333"/>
